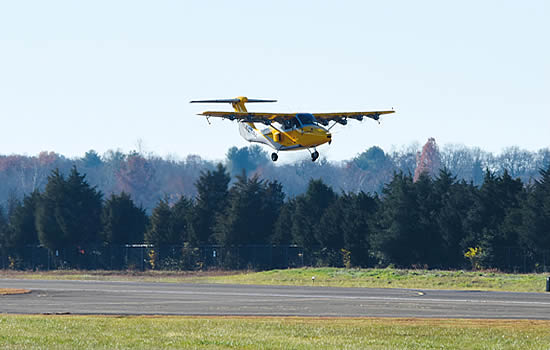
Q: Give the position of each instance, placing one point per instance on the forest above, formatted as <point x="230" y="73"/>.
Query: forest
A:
<point x="456" y="208"/>
<point x="147" y="178"/>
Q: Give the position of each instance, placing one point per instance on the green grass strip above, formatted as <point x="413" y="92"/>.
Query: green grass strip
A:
<point x="97" y="332"/>
<point x="333" y="277"/>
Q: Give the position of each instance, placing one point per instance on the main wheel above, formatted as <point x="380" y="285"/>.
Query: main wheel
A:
<point x="274" y="157"/>
<point x="314" y="156"/>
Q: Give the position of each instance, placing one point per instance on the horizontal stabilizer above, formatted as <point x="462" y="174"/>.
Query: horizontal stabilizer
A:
<point x="228" y="100"/>
<point x="258" y="100"/>
<point x="233" y="100"/>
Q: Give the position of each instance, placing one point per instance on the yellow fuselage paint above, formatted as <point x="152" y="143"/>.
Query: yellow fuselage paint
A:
<point x="308" y="136"/>
<point x="304" y="137"/>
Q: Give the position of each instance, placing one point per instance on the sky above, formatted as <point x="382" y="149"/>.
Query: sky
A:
<point x="103" y="75"/>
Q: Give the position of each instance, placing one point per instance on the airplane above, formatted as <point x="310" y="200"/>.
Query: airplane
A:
<point x="286" y="131"/>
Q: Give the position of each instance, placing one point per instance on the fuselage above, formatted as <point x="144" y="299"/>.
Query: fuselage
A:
<point x="297" y="133"/>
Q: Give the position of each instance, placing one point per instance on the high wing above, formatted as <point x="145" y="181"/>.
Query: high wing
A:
<point x="251" y="117"/>
<point x="338" y="116"/>
<point x="267" y="118"/>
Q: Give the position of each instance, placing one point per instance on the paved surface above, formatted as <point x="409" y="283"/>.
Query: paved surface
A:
<point x="141" y="298"/>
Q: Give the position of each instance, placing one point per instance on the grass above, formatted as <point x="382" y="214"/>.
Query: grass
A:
<point x="139" y="332"/>
<point x="333" y="277"/>
<point x="394" y="278"/>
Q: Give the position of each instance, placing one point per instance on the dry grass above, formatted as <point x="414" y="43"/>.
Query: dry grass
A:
<point x="11" y="291"/>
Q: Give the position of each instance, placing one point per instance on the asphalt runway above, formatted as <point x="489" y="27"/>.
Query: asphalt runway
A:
<point x="143" y="298"/>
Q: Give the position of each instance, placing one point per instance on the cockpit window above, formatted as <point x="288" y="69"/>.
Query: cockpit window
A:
<point x="306" y="118"/>
<point x="291" y="123"/>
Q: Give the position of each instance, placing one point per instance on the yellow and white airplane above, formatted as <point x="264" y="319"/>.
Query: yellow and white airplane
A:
<point x="294" y="131"/>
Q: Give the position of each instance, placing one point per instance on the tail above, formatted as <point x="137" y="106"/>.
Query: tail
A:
<point x="237" y="103"/>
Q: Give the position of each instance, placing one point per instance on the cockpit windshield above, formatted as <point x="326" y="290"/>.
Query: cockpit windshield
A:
<point x="306" y="118"/>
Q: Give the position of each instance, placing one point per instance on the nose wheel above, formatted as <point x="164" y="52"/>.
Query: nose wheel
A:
<point x="274" y="157"/>
<point x="314" y="156"/>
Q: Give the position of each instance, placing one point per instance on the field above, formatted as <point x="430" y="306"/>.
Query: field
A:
<point x="97" y="332"/>
<point x="123" y="332"/>
<point x="333" y="277"/>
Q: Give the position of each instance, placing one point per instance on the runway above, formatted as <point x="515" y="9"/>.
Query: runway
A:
<point x="144" y="298"/>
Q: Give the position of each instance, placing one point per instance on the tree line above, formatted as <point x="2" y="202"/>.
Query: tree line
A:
<point x="423" y="220"/>
<point x="147" y="177"/>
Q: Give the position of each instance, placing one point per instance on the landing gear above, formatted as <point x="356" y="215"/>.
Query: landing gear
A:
<point x="274" y="157"/>
<point x="314" y="156"/>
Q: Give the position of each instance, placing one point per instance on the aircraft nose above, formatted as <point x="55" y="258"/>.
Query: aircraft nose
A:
<point x="329" y="136"/>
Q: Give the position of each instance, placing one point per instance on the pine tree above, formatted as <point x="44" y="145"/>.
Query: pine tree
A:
<point x="123" y="222"/>
<point x="82" y="220"/>
<point x="246" y="159"/>
<point x="3" y="230"/>
<point x="48" y="211"/>
<point x="23" y="223"/>
<point x="310" y="208"/>
<point x="329" y="235"/>
<point x="486" y="226"/>
<point x="210" y="202"/>
<point x="454" y="201"/>
<point x="181" y="217"/>
<point x="282" y="227"/>
<point x="534" y="230"/>
<point x="356" y="225"/>
<point x="161" y="230"/>
<point x="374" y="159"/>
<point x="398" y="236"/>
<point x="273" y="198"/>
<point x="69" y="212"/>
<point x="242" y="222"/>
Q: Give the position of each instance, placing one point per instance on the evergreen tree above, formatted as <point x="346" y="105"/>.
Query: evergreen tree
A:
<point x="534" y="230"/>
<point x="81" y="220"/>
<point x="399" y="236"/>
<point x="161" y="231"/>
<point x="497" y="198"/>
<point x="251" y="212"/>
<point x="356" y="225"/>
<point x="282" y="228"/>
<point x="3" y="230"/>
<point x="91" y="159"/>
<point x="239" y="223"/>
<point x="181" y="217"/>
<point x="23" y="224"/>
<point x="69" y="212"/>
<point x="246" y="159"/>
<point x="310" y="208"/>
<point x="428" y="243"/>
<point x="49" y="210"/>
<point x="374" y="159"/>
<point x="123" y="222"/>
<point x="328" y="233"/>
<point x="210" y="202"/>
<point x="454" y="201"/>
<point x="273" y="198"/>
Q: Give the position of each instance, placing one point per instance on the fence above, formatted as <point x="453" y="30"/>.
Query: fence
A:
<point x="519" y="260"/>
<point x="145" y="257"/>
<point x="257" y="257"/>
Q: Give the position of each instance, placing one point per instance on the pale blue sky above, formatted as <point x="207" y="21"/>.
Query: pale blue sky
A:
<point x="100" y="75"/>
